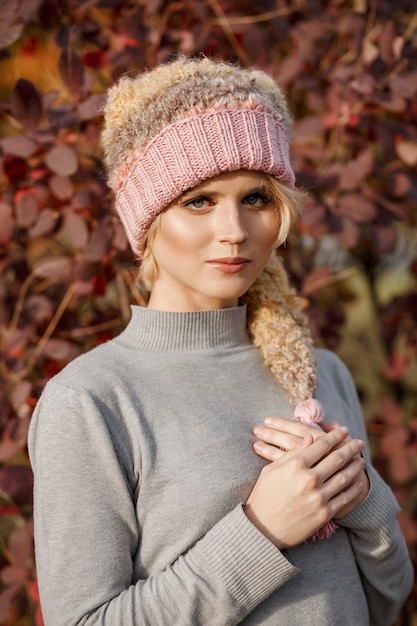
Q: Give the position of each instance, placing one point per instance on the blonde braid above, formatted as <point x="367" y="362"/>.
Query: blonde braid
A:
<point x="278" y="327"/>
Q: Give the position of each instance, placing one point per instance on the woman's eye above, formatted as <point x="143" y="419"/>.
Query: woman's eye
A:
<point x="197" y="203"/>
<point x="256" y="199"/>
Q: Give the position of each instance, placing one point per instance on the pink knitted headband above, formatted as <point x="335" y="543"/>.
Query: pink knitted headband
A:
<point x="187" y="152"/>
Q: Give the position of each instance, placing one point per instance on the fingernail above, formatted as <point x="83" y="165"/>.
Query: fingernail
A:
<point x="344" y="429"/>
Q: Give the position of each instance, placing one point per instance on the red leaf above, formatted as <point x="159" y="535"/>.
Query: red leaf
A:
<point x="6" y="604"/>
<point x="90" y="108"/>
<point x="26" y="208"/>
<point x="20" y="545"/>
<point x="20" y="394"/>
<point x="62" y="160"/>
<point x="26" y="103"/>
<point x="404" y="86"/>
<point x="100" y="243"/>
<point x="386" y="42"/>
<point x="308" y="129"/>
<point x="96" y="59"/>
<point x="399" y="184"/>
<point x="395" y="366"/>
<point x="357" y="207"/>
<point x="19" y="145"/>
<point x="370" y="51"/>
<point x="345" y="231"/>
<point x="13" y="575"/>
<point x="61" y="187"/>
<point x="407" y="151"/>
<point x="11" y="23"/>
<point x="45" y="223"/>
<point x="355" y="171"/>
<point x="74" y="230"/>
<point x="120" y="241"/>
<point x="8" y="449"/>
<point x="15" y="167"/>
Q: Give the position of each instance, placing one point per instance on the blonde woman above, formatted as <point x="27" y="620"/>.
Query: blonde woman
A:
<point x="172" y="484"/>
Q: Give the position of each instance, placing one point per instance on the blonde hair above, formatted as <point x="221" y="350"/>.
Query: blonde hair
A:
<point x="275" y="322"/>
<point x="278" y="327"/>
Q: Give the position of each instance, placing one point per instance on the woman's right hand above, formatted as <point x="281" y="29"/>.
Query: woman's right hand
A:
<point x="307" y="486"/>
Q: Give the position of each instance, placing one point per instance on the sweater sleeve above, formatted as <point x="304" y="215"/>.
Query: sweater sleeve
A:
<point x="87" y="534"/>
<point x="380" y="550"/>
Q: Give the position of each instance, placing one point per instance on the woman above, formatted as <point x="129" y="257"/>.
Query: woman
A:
<point x="154" y="504"/>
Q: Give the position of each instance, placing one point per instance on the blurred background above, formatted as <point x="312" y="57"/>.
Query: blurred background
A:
<point x="67" y="277"/>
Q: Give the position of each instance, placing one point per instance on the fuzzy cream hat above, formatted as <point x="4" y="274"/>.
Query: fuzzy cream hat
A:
<point x="169" y="129"/>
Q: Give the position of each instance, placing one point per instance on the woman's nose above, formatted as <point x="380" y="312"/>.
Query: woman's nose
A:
<point x="231" y="224"/>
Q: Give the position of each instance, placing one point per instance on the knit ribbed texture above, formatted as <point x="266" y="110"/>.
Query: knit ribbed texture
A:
<point x="265" y="567"/>
<point x="188" y="152"/>
<point x="191" y="331"/>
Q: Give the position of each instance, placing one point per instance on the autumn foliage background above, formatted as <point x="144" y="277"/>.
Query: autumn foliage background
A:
<point x="66" y="273"/>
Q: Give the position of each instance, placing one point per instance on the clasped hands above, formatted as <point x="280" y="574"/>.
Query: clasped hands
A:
<point x="314" y="475"/>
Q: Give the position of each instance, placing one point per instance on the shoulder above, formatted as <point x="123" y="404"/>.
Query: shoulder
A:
<point x="331" y="369"/>
<point x="85" y="402"/>
<point x="91" y="370"/>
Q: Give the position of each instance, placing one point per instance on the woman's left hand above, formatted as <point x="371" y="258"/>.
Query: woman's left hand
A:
<point x="278" y="435"/>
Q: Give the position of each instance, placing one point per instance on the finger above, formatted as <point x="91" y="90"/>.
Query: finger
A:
<point x="328" y="426"/>
<point x="272" y="453"/>
<point x="268" y="452"/>
<point x="277" y="438"/>
<point x="288" y="426"/>
<point x="322" y="446"/>
<point x="291" y="427"/>
<point x="343" y="479"/>
<point x="338" y="459"/>
<point x="344" y="498"/>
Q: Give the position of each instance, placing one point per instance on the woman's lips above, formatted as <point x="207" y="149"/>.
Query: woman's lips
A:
<point x="230" y="265"/>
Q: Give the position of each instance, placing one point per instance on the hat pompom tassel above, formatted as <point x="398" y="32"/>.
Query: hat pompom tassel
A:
<point x="311" y="412"/>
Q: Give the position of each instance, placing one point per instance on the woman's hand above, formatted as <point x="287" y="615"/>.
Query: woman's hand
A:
<point x="306" y="486"/>
<point x="279" y="435"/>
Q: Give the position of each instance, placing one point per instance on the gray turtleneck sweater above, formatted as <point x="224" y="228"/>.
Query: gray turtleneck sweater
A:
<point x="142" y="454"/>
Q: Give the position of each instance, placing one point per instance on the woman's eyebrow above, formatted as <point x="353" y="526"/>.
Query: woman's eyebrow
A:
<point x="192" y="193"/>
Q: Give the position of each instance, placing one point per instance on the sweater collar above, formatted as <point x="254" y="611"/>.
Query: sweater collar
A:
<point x="167" y="331"/>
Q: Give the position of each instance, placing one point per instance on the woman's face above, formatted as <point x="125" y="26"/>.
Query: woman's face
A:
<point x="212" y="243"/>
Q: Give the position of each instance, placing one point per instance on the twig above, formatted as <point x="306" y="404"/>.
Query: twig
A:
<point x="52" y="324"/>
<point x="140" y="300"/>
<point x="91" y="330"/>
<point x="20" y="301"/>
<point x="228" y="31"/>
<point x="45" y="337"/>
<point x="334" y="278"/>
<point x="253" y="19"/>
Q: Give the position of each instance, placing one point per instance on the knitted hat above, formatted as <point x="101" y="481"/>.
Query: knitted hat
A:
<point x="169" y="129"/>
